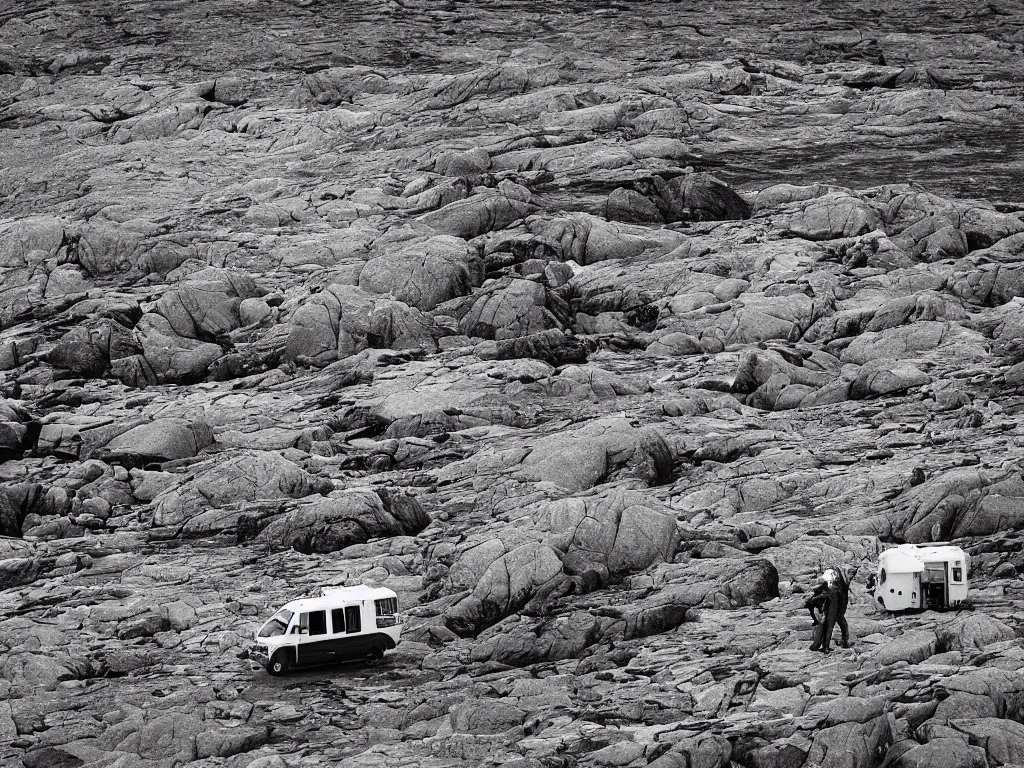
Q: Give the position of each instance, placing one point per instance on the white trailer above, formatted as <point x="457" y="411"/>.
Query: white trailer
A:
<point x="921" y="577"/>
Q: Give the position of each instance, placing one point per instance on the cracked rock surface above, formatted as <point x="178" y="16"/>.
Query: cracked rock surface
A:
<point x="595" y="331"/>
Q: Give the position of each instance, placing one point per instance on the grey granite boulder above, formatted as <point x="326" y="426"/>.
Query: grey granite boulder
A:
<point x="232" y="479"/>
<point x="161" y="440"/>
<point x="344" y="518"/>
<point x="600" y="450"/>
<point x="330" y="325"/>
<point x="477" y="215"/>
<point x="613" y="534"/>
<point x="424" y="274"/>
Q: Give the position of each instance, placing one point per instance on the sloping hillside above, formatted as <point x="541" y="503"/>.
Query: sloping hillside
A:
<point x="594" y="330"/>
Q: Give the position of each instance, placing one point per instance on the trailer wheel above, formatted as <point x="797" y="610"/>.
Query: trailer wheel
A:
<point x="280" y="664"/>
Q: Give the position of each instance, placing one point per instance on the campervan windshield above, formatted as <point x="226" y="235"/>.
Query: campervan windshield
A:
<point x="277" y="624"/>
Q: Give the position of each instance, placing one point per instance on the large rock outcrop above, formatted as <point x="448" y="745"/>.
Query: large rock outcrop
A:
<point x="345" y="518"/>
<point x="231" y="480"/>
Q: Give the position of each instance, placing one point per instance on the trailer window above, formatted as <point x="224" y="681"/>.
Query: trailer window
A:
<point x="338" y="620"/>
<point x="958" y="574"/>
<point x="318" y="623"/>
<point x="881" y="575"/>
<point x="352" y="621"/>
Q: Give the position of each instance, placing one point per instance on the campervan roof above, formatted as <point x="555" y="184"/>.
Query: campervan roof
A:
<point x="940" y="553"/>
<point x="900" y="560"/>
<point x="333" y="596"/>
<point x="910" y="558"/>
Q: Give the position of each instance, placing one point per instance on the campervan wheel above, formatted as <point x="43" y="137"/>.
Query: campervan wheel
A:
<point x="280" y="663"/>
<point x="377" y="652"/>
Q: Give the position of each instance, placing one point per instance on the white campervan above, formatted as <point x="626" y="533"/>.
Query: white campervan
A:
<point x="921" y="576"/>
<point x="343" y="623"/>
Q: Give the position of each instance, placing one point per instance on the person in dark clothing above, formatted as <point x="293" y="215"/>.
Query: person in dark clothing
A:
<point x="831" y="597"/>
<point x="815" y="604"/>
<point x="828" y="600"/>
<point x="842" y="587"/>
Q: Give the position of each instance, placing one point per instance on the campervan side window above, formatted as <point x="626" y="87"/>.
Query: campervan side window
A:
<point x="352" y="621"/>
<point x="338" y="620"/>
<point x="318" y="623"/>
<point x="314" y="623"/>
<point x="882" y="575"/>
<point x="958" y="574"/>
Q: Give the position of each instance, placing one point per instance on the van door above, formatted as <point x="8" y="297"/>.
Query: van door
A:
<point x="312" y="645"/>
<point x="353" y="621"/>
<point x="345" y="641"/>
<point x="945" y="585"/>
<point x="337" y="643"/>
<point x="933" y="580"/>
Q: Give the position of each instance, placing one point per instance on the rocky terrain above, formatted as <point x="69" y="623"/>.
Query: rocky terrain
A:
<point x="594" y="330"/>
